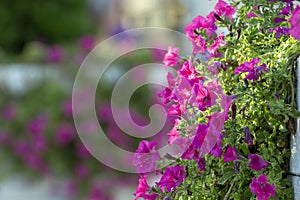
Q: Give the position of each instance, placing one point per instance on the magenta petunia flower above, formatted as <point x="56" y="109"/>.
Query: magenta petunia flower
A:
<point x="171" y="178"/>
<point x="145" y="157"/>
<point x="230" y="154"/>
<point x="200" y="96"/>
<point x="295" y="23"/>
<point x="188" y="71"/>
<point x="224" y="9"/>
<point x="199" y="23"/>
<point x="171" y="58"/>
<point x="166" y="94"/>
<point x="261" y="188"/>
<point x="208" y="137"/>
<point x="257" y="163"/>
<point x="199" y="45"/>
<point x="174" y="110"/>
<point x="183" y="93"/>
<point x="142" y="190"/>
<point x="192" y="153"/>
<point x="219" y="42"/>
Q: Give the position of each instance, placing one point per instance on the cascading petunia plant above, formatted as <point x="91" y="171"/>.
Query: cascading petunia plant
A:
<point x="235" y="107"/>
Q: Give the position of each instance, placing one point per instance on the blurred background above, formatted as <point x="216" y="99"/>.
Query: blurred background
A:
<point x="42" y="44"/>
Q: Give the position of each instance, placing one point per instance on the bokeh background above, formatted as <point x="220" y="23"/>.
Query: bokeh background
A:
<point x="42" y="44"/>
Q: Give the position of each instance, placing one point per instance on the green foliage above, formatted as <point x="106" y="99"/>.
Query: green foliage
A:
<point x="56" y="21"/>
<point x="270" y="119"/>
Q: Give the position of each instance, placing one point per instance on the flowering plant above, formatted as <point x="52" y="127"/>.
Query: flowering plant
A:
<point x="234" y="102"/>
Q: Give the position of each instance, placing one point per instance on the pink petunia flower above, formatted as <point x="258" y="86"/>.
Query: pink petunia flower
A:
<point x="295" y="23"/>
<point x="142" y="190"/>
<point x="171" y="178"/>
<point x="261" y="188"/>
<point x="171" y="58"/>
<point x="257" y="163"/>
<point x="230" y="154"/>
<point x="224" y="9"/>
<point x="145" y="157"/>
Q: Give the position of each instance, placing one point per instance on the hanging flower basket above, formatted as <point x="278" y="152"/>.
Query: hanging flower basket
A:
<point x="235" y="102"/>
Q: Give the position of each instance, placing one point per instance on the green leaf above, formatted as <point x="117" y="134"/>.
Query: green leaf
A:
<point x="226" y="176"/>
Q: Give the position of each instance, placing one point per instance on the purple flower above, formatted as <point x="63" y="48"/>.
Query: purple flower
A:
<point x="286" y="11"/>
<point x="166" y="94"/>
<point x="261" y="188"/>
<point x="279" y="19"/>
<point x="145" y="157"/>
<point x="171" y="58"/>
<point x="65" y="134"/>
<point x="253" y="71"/>
<point x="257" y="163"/>
<point x="87" y="43"/>
<point x="171" y="178"/>
<point x="208" y="137"/>
<point x="247" y="136"/>
<point x="280" y="31"/>
<point x="37" y="125"/>
<point x="295" y="23"/>
<point x="142" y="190"/>
<point x="223" y="9"/>
<point x="55" y="54"/>
<point x="192" y="153"/>
<point x="230" y="154"/>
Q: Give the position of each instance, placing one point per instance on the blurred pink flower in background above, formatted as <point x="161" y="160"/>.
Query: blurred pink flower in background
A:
<point x="87" y="43"/>
<point x="65" y="133"/>
<point x="37" y="125"/>
<point x="55" y="54"/>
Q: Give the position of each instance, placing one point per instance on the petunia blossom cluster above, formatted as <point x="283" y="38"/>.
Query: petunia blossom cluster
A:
<point x="202" y="106"/>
